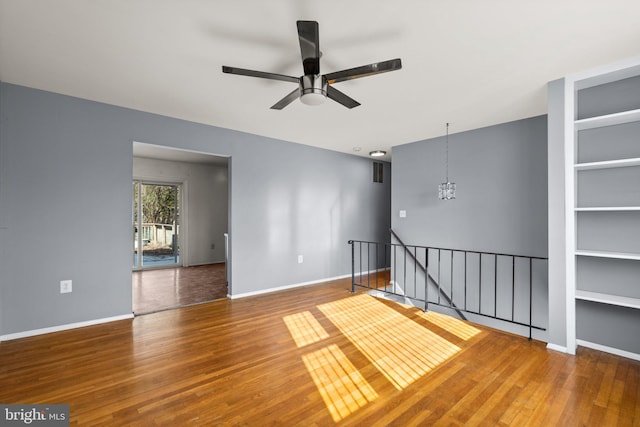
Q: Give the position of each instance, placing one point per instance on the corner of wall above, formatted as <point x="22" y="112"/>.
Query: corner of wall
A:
<point x="3" y="225"/>
<point x="556" y="209"/>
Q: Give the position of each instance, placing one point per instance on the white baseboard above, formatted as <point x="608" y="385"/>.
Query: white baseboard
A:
<point x="197" y="264"/>
<point x="282" y="288"/>
<point x="556" y="347"/>
<point x="611" y="350"/>
<point x="34" y="332"/>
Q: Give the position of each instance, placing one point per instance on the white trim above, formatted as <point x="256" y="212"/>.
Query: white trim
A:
<point x="607" y="73"/>
<point x="608" y="120"/>
<point x="59" y="328"/>
<point x="616" y="300"/>
<point x="556" y="347"/>
<point x="608" y="164"/>
<point x="282" y="288"/>
<point x="183" y="235"/>
<point x="606" y="254"/>
<point x="168" y="147"/>
<point x="197" y="264"/>
<point x="610" y="209"/>
<point x="611" y="350"/>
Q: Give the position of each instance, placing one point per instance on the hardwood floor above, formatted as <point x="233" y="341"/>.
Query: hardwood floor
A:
<point x="316" y="355"/>
<point x="156" y="290"/>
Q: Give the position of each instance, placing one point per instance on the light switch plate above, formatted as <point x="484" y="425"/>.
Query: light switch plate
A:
<point x="66" y="286"/>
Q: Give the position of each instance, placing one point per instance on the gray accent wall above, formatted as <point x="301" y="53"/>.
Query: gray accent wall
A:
<point x="501" y="177"/>
<point x="501" y="204"/>
<point x="65" y="199"/>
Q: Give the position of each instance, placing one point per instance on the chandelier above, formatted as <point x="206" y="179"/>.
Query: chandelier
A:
<point x="447" y="190"/>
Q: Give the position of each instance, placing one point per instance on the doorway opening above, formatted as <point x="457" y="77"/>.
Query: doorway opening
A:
<point x="180" y="214"/>
<point x="156" y="222"/>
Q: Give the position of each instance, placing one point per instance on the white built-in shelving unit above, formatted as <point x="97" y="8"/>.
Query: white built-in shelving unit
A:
<point x="602" y="209"/>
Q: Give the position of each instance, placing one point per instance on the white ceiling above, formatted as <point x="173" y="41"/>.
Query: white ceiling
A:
<point x="469" y="62"/>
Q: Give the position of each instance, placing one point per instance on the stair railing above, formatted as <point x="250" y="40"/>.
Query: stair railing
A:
<point x="503" y="290"/>
<point x="425" y="271"/>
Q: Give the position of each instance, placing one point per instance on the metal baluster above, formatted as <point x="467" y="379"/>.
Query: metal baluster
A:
<point x="513" y="287"/>
<point x="439" y="268"/>
<point x="530" y="296"/>
<point x="395" y="266"/>
<point x="465" y="280"/>
<point x="426" y="280"/>
<point x="415" y="271"/>
<point x="495" y="286"/>
<point x="451" y="304"/>
<point x="377" y="265"/>
<point x="360" y="259"/>
<point x="386" y="264"/>
<point x="353" y="267"/>
<point x="480" y="283"/>
<point x="368" y="265"/>
<point x="404" y="270"/>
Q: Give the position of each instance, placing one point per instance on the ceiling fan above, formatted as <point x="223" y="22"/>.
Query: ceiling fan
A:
<point x="314" y="88"/>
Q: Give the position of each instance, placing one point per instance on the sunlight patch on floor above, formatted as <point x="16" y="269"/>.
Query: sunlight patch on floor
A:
<point x="304" y="328"/>
<point x="401" y="349"/>
<point x="342" y="387"/>
<point x="457" y="327"/>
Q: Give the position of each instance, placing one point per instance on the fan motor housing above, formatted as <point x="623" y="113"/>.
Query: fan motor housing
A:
<point x="313" y="89"/>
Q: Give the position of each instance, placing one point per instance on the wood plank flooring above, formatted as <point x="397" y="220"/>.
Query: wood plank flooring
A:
<point x="319" y="356"/>
<point x="162" y="289"/>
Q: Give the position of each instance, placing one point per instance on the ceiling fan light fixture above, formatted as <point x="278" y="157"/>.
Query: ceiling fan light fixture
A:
<point x="313" y="98"/>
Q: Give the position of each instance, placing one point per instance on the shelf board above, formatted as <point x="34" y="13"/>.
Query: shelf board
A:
<point x="608" y="299"/>
<point x="607" y="164"/>
<point x="608" y="120"/>
<point x="607" y="74"/>
<point x="609" y="209"/>
<point x="605" y="254"/>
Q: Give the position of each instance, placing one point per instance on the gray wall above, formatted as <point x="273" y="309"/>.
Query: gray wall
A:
<point x="3" y="219"/>
<point x="556" y="233"/>
<point x="66" y="165"/>
<point x="608" y="325"/>
<point x="205" y="204"/>
<point x="501" y="177"/>
<point x="501" y="204"/>
<point x="609" y="98"/>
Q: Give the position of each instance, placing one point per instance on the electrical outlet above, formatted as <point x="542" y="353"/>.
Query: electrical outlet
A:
<point x="66" y="286"/>
<point x="300" y="259"/>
